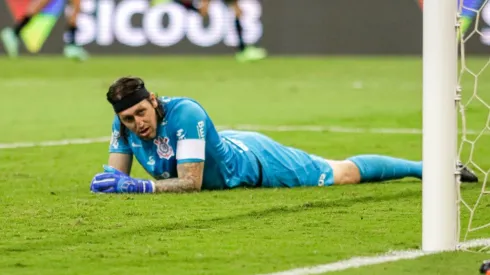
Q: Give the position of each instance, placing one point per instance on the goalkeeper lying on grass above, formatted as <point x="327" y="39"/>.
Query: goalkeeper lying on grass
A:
<point x="176" y="142"/>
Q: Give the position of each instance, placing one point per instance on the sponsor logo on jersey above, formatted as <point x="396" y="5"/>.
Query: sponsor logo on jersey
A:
<point x="151" y="161"/>
<point x="164" y="150"/>
<point x="135" y="144"/>
<point x="200" y="129"/>
<point x="165" y="99"/>
<point x="180" y="134"/>
<point x="321" y="180"/>
<point x="115" y="139"/>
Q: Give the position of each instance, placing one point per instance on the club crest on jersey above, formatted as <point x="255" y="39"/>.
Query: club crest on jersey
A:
<point x="164" y="150"/>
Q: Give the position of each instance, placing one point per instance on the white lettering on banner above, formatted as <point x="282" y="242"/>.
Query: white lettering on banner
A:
<point x="123" y="29"/>
<point x="251" y="23"/>
<point x="169" y="36"/>
<point x="105" y="22"/>
<point x="203" y="36"/>
<point x="86" y="23"/>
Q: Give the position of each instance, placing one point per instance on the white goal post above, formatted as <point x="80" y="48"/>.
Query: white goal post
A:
<point x="440" y="77"/>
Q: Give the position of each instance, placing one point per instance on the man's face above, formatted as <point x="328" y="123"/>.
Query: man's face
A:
<point x="141" y="119"/>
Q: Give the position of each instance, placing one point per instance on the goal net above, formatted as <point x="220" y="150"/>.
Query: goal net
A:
<point x="473" y="106"/>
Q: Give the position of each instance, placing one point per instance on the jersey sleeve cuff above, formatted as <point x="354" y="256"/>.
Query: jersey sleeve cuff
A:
<point x="127" y="152"/>
<point x="180" y="161"/>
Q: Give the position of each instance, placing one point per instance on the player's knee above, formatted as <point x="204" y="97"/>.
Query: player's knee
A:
<point x="345" y="172"/>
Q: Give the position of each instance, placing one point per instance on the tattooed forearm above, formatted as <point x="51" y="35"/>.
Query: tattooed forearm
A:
<point x="189" y="180"/>
<point x="175" y="185"/>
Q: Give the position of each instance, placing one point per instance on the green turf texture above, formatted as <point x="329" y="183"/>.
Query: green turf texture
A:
<point x="51" y="224"/>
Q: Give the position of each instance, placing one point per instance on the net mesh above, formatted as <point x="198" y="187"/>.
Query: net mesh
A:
<point x="473" y="103"/>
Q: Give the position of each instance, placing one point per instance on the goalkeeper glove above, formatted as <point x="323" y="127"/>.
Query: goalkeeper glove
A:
<point x="114" y="181"/>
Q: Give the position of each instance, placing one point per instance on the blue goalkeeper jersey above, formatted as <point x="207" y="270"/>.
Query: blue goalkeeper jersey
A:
<point x="181" y="136"/>
<point x="231" y="158"/>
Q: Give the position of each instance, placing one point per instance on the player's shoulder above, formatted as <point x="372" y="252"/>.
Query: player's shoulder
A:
<point x="115" y="119"/>
<point x="181" y="106"/>
<point x="116" y="123"/>
<point x="117" y="131"/>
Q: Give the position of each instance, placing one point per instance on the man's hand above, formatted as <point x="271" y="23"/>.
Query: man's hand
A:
<point x="114" y="181"/>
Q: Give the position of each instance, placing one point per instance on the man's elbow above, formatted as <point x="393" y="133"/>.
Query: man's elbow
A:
<point x="196" y="186"/>
<point x="190" y="185"/>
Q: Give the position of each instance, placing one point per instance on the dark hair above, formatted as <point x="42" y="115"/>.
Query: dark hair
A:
<point x="125" y="86"/>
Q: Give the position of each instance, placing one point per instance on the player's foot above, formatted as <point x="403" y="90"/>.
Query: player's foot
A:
<point x="467" y="175"/>
<point x="10" y="42"/>
<point x="75" y="52"/>
<point x="251" y="54"/>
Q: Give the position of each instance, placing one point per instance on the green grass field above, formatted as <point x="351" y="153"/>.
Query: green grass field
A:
<point x="51" y="224"/>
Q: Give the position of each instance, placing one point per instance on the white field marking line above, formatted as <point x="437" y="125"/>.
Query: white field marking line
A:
<point x="357" y="262"/>
<point x="244" y="127"/>
<point x="53" y="143"/>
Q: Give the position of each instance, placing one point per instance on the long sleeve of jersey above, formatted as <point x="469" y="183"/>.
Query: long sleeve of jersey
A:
<point x="117" y="144"/>
<point x="188" y="126"/>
